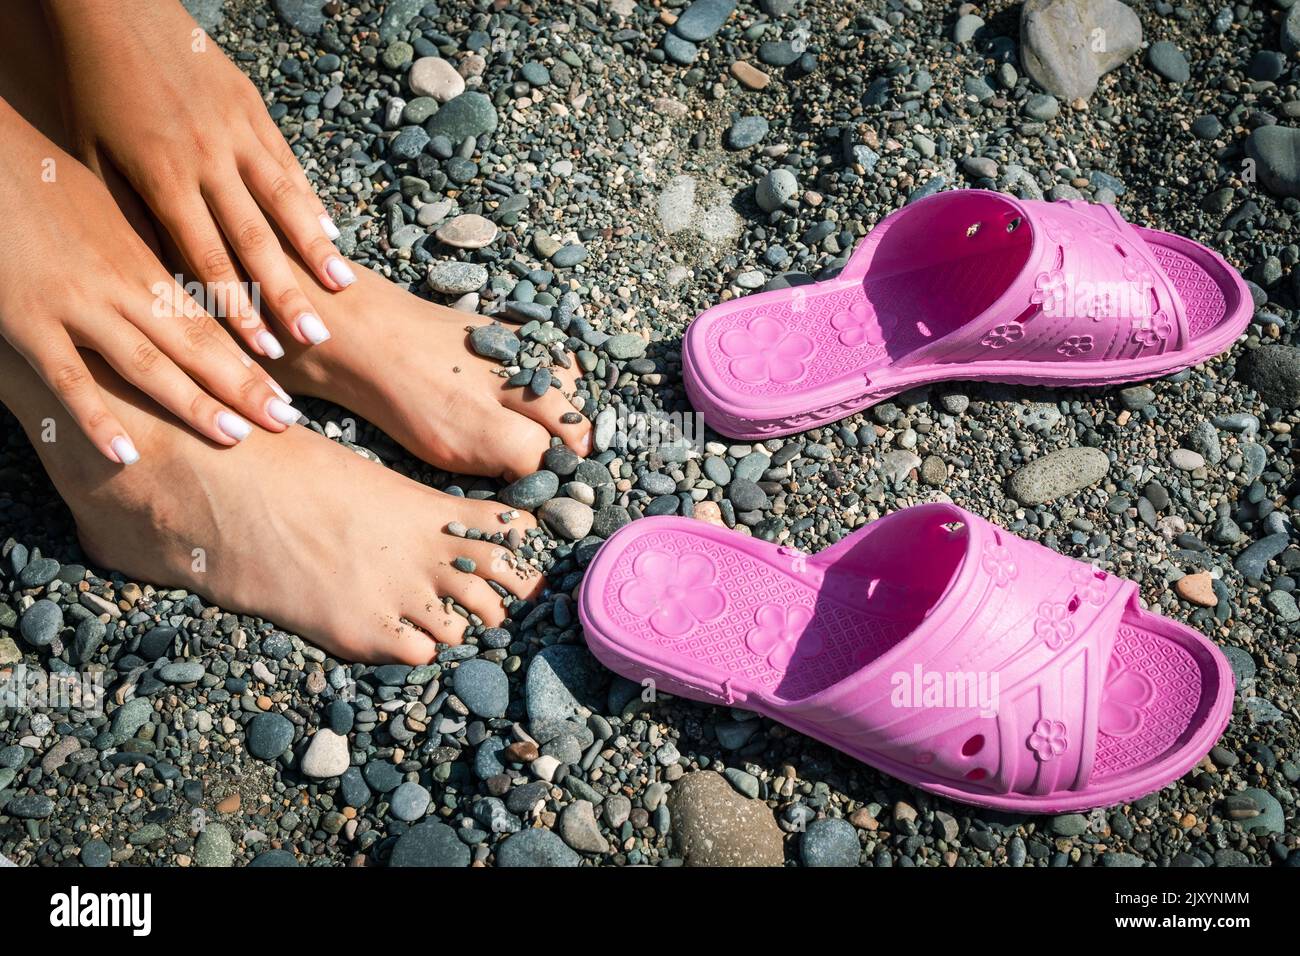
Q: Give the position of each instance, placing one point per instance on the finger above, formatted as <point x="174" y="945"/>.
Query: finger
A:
<point x="259" y="251"/>
<point x="62" y="368"/>
<point x="471" y="592"/>
<point x="442" y="623"/>
<point x="268" y="134"/>
<point x="198" y="344"/>
<point x="140" y="362"/>
<point x="284" y="198"/>
<point x="495" y="563"/>
<point x="553" y="412"/>
<point x="189" y="224"/>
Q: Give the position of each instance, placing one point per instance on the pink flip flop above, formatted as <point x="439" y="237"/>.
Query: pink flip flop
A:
<point x="968" y="284"/>
<point x="929" y="644"/>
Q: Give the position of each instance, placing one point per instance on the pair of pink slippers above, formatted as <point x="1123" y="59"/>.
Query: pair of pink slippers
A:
<point x="930" y="643"/>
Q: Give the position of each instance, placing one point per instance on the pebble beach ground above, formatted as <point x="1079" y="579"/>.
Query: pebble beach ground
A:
<point x="596" y="174"/>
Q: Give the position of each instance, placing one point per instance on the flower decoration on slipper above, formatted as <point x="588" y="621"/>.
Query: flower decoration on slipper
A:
<point x="999" y="564"/>
<point x="766" y="351"/>
<point x="858" y="325"/>
<point x="1049" y="290"/>
<point x="1054" y="625"/>
<point x="779" y="634"/>
<point x="674" y="592"/>
<point x="999" y="337"/>
<point x="1153" y="330"/>
<point x="1123" y="698"/>
<point x="1075" y="345"/>
<point x="1049" y="739"/>
<point x="1091" y="585"/>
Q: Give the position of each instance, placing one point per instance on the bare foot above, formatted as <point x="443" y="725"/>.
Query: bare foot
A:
<point x="289" y="527"/>
<point x="405" y="365"/>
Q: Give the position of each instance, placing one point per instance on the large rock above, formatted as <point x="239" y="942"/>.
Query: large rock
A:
<point x="713" y="825"/>
<point x="1276" y="152"/>
<point x="1274" y="372"/>
<point x="1058" y="473"/>
<point x="1066" y="46"/>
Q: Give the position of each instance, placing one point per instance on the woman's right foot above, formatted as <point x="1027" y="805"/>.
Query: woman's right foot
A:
<point x="290" y="527"/>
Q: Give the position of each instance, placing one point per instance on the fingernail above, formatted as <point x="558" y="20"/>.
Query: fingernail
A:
<point x="313" y="328"/>
<point x="234" y="426"/>
<point x="269" y="345"/>
<point x="339" y="271"/>
<point x="275" y="386"/>
<point x="585" y="444"/>
<point x="331" y="230"/>
<point x="281" y="412"/>
<point x="124" y="450"/>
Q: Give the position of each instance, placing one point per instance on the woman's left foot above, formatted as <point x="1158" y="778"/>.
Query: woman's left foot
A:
<point x="405" y="365"/>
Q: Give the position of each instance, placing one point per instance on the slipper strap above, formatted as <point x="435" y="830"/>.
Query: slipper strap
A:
<point x="1091" y="290"/>
<point x="1000" y="689"/>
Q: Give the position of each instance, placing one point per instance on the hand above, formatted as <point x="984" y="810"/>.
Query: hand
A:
<point x="149" y="91"/>
<point x="74" y="274"/>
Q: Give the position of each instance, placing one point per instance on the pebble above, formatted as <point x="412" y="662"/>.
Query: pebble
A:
<point x="327" y="755"/>
<point x="829" y="842"/>
<point x="269" y="736"/>
<point x="409" y="802"/>
<point x="463" y="117"/>
<point x="1167" y="60"/>
<point x="746" y="131"/>
<point x="456" y="278"/>
<point x="435" y="77"/>
<point x="468" y="231"/>
<point x="430" y="844"/>
<point x="578" y="828"/>
<point x="715" y="826"/>
<point x="571" y="520"/>
<point x="1058" y="474"/>
<point x="530" y="848"/>
<point x="495" y="342"/>
<point x="483" y="687"/>
<point x="529" y="492"/>
<point x="41" y="623"/>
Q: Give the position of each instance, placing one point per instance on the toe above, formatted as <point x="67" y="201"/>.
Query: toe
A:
<point x="444" y="624"/>
<point x="495" y="563"/>
<point x="491" y="516"/>
<point x="553" y="412"/>
<point x="394" y="641"/>
<point x="471" y="592"/>
<point x="519" y="443"/>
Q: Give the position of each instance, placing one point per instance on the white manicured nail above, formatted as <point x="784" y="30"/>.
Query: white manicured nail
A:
<point x="331" y="230"/>
<point x="279" y="391"/>
<point x="313" y="328"/>
<point x="281" y="412"/>
<point x="124" y="450"/>
<point x="269" y="345"/>
<point x="338" y="271"/>
<point x="234" y="426"/>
